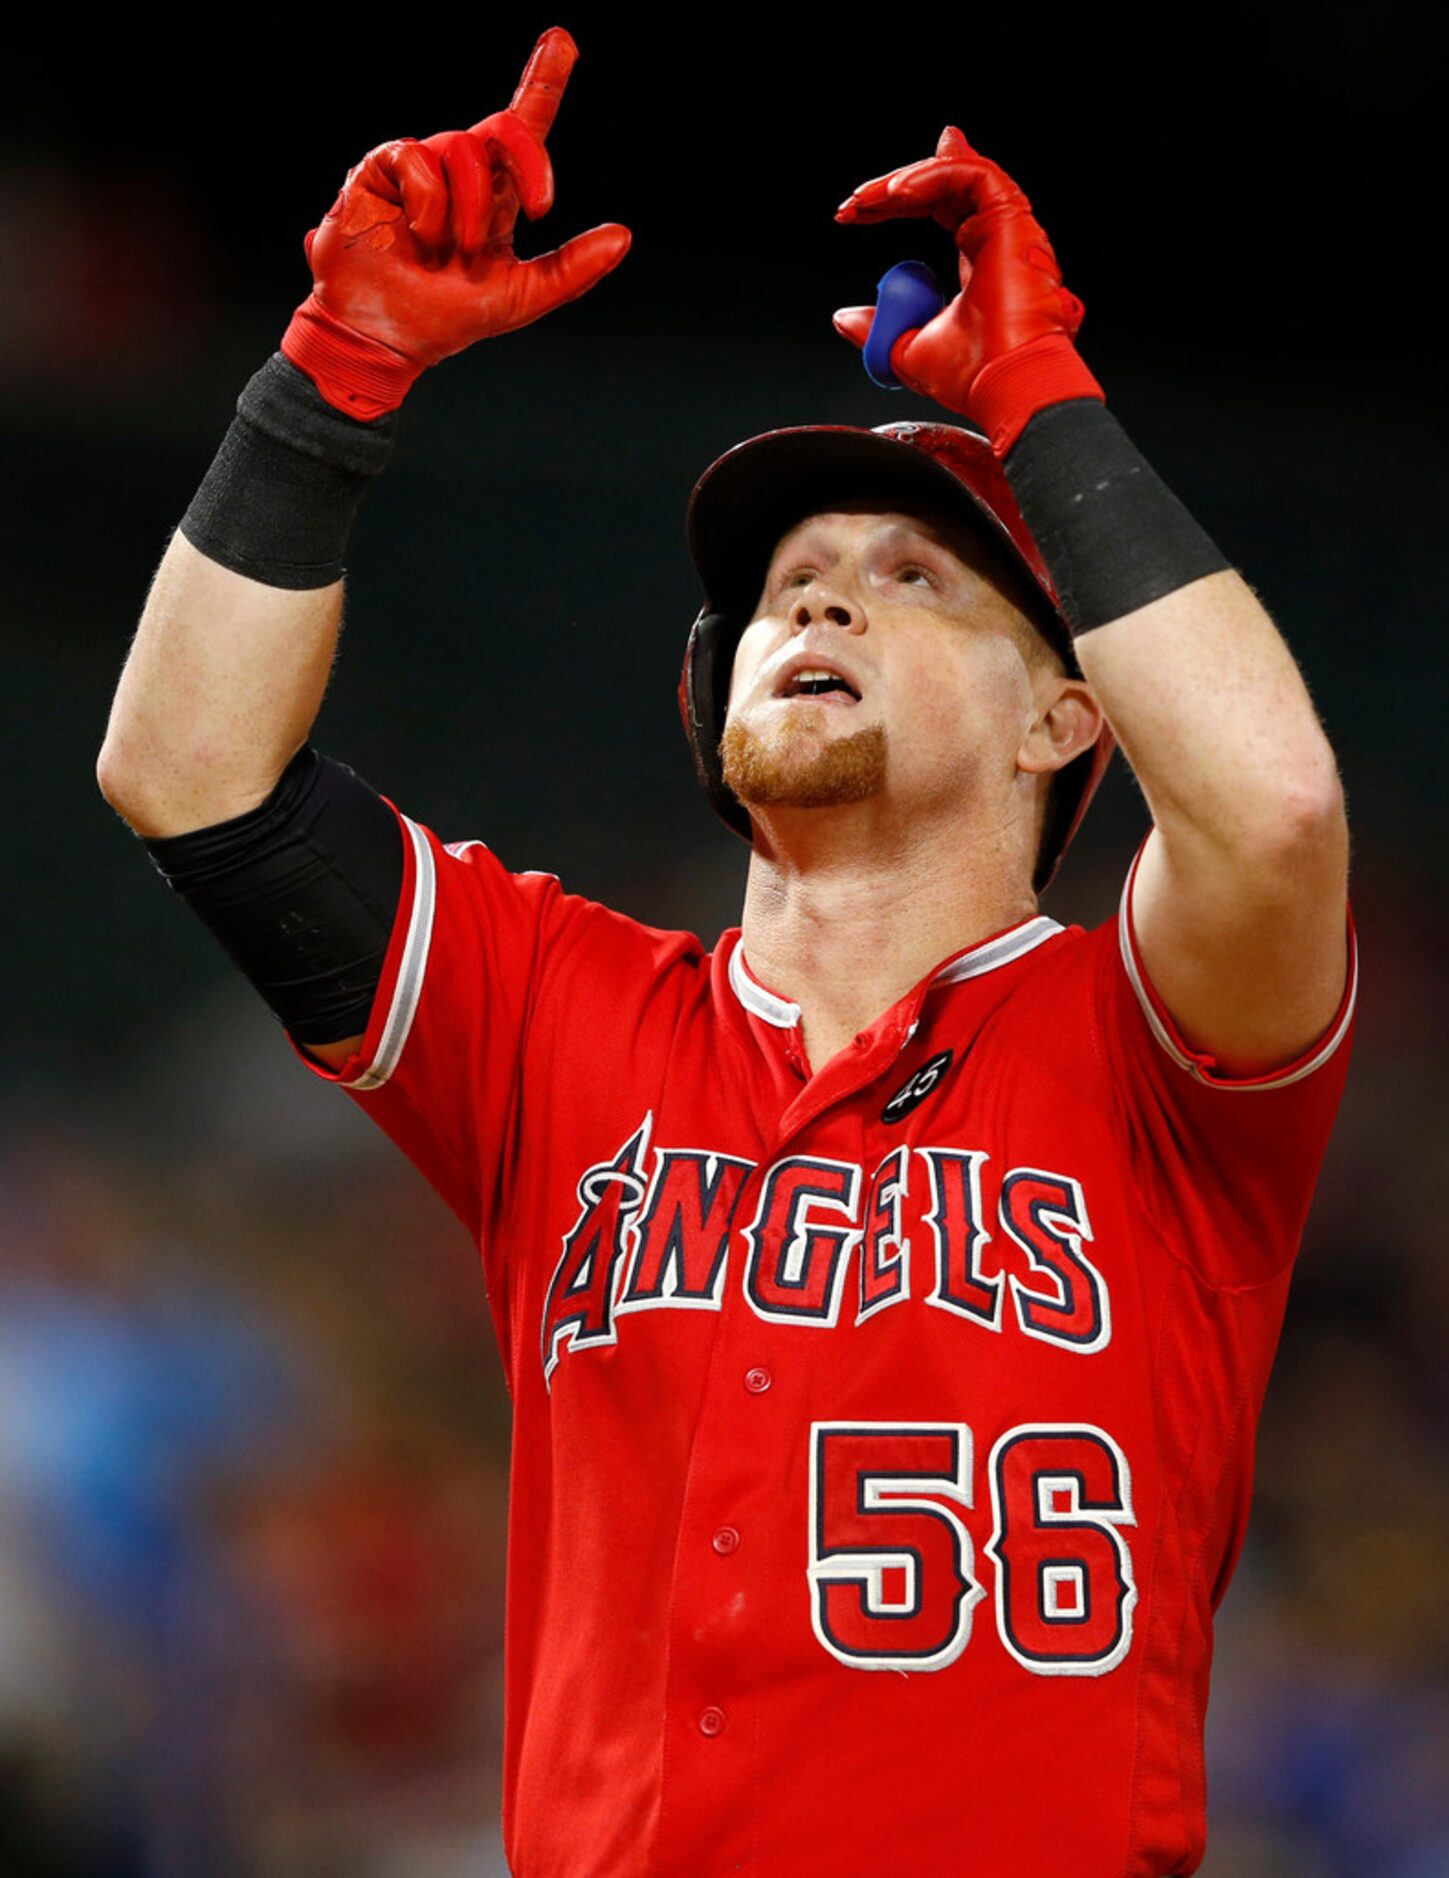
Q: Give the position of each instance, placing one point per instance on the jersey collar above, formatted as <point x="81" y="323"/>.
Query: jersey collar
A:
<point x="1000" y="949"/>
<point x="759" y="1002"/>
<point x="987" y="955"/>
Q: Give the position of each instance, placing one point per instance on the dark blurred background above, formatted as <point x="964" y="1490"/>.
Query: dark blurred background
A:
<point x="253" y="1440"/>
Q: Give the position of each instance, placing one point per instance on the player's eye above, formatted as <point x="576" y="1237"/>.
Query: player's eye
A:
<point x="913" y="571"/>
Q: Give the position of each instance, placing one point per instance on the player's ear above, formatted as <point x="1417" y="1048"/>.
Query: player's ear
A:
<point x="1068" y="721"/>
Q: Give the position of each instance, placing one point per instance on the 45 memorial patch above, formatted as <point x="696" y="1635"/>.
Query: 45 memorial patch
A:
<point x="660" y="1237"/>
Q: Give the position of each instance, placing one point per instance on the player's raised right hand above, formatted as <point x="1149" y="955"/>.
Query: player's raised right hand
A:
<point x="414" y="260"/>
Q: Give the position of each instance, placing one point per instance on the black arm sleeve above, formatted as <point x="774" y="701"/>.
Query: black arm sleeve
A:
<point x="301" y="891"/>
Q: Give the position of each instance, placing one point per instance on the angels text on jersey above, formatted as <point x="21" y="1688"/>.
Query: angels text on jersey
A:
<point x="892" y="1569"/>
<point x="808" y="1237"/>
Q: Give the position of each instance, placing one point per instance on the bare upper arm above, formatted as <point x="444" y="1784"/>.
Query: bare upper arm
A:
<point x="1250" y="960"/>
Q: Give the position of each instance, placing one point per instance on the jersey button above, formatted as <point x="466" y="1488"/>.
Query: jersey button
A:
<point x="726" y="1540"/>
<point x="711" y="1720"/>
<point x="757" y="1381"/>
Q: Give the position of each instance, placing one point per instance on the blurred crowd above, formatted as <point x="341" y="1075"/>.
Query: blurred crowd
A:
<point x="252" y="1486"/>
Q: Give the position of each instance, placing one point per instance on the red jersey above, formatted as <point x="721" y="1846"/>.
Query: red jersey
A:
<point x="883" y="1438"/>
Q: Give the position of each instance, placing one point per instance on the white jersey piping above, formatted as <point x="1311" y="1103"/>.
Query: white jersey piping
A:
<point x="1291" y="1074"/>
<point x="408" y="988"/>
<point x="761" y="1003"/>
<point x="999" y="951"/>
<point x="986" y="957"/>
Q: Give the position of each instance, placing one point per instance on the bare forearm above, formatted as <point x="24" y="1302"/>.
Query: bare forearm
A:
<point x="1195" y="680"/>
<point x="1239" y="897"/>
<point x="1213" y="714"/>
<point x="222" y="685"/>
<point x="228" y="667"/>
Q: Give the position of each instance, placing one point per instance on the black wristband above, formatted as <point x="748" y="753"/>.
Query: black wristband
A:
<point x="1111" y="532"/>
<point x="279" y="500"/>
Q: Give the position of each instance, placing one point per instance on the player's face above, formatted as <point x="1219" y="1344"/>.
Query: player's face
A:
<point x="882" y="656"/>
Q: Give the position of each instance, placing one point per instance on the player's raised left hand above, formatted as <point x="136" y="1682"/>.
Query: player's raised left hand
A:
<point x="1003" y="348"/>
<point x="414" y="260"/>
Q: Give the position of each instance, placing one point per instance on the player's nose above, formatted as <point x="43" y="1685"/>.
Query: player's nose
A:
<point x="824" y="601"/>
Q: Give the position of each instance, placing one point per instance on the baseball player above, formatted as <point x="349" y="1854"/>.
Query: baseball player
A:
<point x="886" y="1295"/>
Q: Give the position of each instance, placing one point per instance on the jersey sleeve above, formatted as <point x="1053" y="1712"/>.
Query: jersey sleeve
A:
<point x="1226" y="1164"/>
<point x="486" y="971"/>
<point x="438" y="1062"/>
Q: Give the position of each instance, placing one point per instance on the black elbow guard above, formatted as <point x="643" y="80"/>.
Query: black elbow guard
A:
<point x="301" y="891"/>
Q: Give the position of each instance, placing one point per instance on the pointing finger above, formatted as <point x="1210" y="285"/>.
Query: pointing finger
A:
<point x="546" y="74"/>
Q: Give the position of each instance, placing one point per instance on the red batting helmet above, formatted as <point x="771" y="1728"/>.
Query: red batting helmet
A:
<point x="747" y="499"/>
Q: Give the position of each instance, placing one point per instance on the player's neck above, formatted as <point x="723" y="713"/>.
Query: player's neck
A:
<point x="846" y="929"/>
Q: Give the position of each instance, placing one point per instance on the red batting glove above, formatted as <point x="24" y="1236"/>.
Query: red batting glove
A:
<point x="1002" y="349"/>
<point x="414" y="260"/>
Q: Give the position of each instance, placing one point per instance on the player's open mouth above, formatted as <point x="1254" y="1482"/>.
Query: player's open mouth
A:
<point x="816" y="681"/>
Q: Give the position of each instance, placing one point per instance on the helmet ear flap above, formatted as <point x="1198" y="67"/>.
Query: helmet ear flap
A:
<point x="704" y="691"/>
